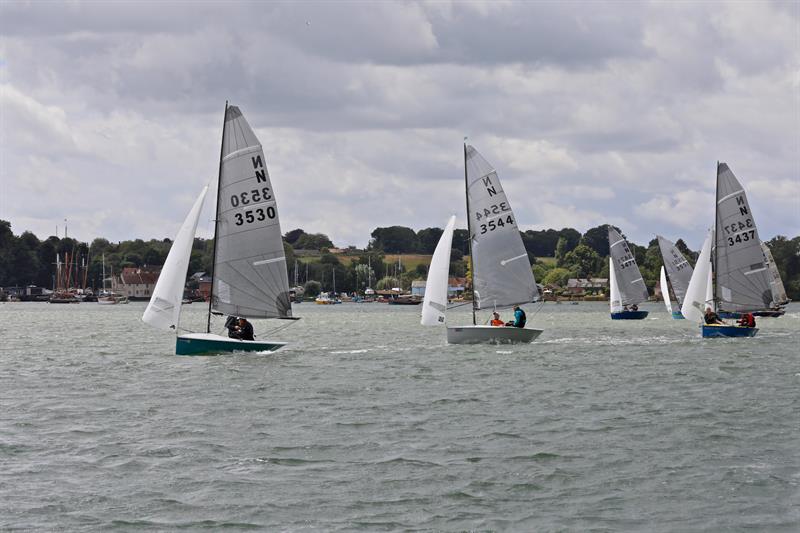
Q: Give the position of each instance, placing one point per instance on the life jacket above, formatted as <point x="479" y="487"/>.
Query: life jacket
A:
<point x="522" y="318"/>
<point x="751" y="321"/>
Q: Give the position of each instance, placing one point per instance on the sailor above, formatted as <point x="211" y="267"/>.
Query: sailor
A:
<point x="519" y="318"/>
<point x="634" y="307"/>
<point x="496" y="319"/>
<point x="245" y="330"/>
<point x="747" y="320"/>
<point x="232" y="324"/>
<point x="711" y="317"/>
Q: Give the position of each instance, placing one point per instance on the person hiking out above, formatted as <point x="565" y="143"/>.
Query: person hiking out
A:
<point x="245" y="330"/>
<point x="747" y="320"/>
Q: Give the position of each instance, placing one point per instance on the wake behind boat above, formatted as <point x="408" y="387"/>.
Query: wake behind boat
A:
<point x="501" y="272"/>
<point x="249" y="277"/>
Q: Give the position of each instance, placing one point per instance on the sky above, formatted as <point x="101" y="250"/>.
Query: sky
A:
<point x="591" y="112"/>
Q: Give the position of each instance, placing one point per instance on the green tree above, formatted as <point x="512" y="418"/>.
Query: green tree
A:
<point x="597" y="239"/>
<point x="583" y="261"/>
<point x="312" y="288"/>
<point x="313" y="241"/>
<point x="557" y="276"/>
<point x="394" y="240"/>
<point x="428" y="238"/>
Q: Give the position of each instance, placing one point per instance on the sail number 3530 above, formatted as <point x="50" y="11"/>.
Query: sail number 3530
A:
<point x="251" y="215"/>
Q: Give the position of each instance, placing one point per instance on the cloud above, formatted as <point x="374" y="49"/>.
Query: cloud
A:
<point x="591" y="112"/>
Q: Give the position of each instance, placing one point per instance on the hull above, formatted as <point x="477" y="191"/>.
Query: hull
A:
<point x="64" y="301"/>
<point x="629" y="315"/>
<point x="211" y="344"/>
<point x="711" y="331"/>
<point x="490" y="335"/>
<point x="764" y="314"/>
<point x="770" y="314"/>
<point x="677" y="315"/>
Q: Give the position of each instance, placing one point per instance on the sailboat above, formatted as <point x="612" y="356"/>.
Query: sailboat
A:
<point x="676" y="271"/>
<point x="249" y="278"/>
<point x="779" y="296"/>
<point x="738" y="279"/>
<point x="500" y="270"/>
<point x="625" y="280"/>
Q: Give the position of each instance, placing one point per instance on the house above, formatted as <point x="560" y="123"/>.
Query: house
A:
<point x="585" y="286"/>
<point x="418" y="287"/>
<point x="137" y="283"/>
<point x="456" y="287"/>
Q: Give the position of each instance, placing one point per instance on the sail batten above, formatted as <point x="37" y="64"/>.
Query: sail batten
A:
<point x="741" y="273"/>
<point x="495" y="234"/>
<point x="628" y="278"/>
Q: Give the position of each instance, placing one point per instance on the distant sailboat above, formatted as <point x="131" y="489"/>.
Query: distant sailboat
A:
<point x="627" y="286"/>
<point x="779" y="296"/>
<point x="249" y="277"/>
<point x="675" y="270"/>
<point x="501" y="273"/>
<point x="741" y="281"/>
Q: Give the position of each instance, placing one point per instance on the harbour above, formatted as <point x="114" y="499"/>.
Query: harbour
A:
<point x="366" y="421"/>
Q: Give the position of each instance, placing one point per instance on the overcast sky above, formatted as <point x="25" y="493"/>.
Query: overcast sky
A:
<point x="591" y="112"/>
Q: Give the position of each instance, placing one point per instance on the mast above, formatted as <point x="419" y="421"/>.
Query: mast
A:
<point x="469" y="235"/>
<point x="216" y="219"/>
<point x="714" y="247"/>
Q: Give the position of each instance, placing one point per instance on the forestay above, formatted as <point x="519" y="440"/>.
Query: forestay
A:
<point x="779" y="296"/>
<point x="164" y="309"/>
<point x="501" y="271"/>
<point x="629" y="280"/>
<point x="250" y="277"/>
<point x="679" y="271"/>
<point x="434" y="304"/>
<point x="742" y="277"/>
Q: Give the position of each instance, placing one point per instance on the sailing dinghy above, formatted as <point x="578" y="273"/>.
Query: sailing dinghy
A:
<point x="626" y="283"/>
<point x="741" y="279"/>
<point x="501" y="272"/>
<point x="249" y="279"/>
<point x="675" y="271"/>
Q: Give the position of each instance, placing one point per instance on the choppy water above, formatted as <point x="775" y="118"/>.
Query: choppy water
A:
<point x="367" y="421"/>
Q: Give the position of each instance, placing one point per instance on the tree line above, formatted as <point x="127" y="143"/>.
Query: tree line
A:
<point x="556" y="255"/>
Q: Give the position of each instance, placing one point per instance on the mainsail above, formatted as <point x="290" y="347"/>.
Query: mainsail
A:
<point x="250" y="276"/>
<point x="164" y="309"/>
<point x="741" y="274"/>
<point x="434" y="304"/>
<point x="679" y="271"/>
<point x="501" y="271"/>
<point x="779" y="296"/>
<point x="629" y="280"/>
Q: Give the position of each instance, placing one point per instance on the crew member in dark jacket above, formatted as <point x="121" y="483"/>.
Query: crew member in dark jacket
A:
<point x="245" y="330"/>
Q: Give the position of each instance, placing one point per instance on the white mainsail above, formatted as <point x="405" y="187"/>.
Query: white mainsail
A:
<point x="434" y="304"/>
<point x="698" y="295"/>
<point x="501" y="270"/>
<point x="250" y="275"/>
<point x="665" y="289"/>
<point x="164" y="309"/>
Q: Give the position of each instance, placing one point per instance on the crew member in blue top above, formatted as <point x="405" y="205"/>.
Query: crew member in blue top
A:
<point x="519" y="318"/>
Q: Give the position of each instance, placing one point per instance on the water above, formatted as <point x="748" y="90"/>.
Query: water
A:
<point x="367" y="421"/>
